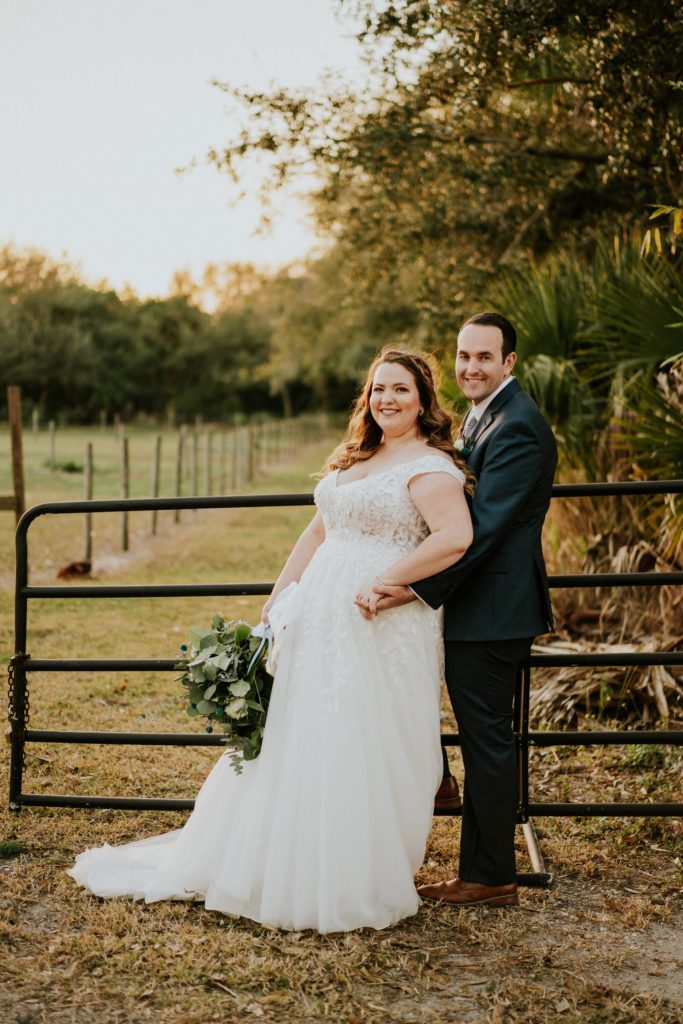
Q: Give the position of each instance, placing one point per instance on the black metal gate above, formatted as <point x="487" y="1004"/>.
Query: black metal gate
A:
<point x="24" y="663"/>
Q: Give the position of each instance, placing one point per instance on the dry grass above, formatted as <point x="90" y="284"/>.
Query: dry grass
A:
<point x="599" y="947"/>
<point x="638" y="695"/>
<point x="613" y="535"/>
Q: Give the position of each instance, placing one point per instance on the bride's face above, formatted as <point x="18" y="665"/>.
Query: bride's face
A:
<point x="395" y="400"/>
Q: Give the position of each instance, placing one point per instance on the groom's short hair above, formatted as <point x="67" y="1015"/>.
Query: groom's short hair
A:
<point x="502" y="323"/>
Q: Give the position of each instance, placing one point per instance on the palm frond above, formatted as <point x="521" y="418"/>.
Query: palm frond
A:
<point x="545" y="305"/>
<point x="632" y="318"/>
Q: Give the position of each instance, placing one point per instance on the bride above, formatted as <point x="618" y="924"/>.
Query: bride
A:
<point x="326" y="828"/>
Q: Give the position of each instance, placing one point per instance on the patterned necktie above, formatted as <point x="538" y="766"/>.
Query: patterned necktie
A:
<point x="470" y="424"/>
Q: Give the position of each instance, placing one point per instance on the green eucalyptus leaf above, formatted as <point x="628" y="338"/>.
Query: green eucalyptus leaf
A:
<point x="199" y="660"/>
<point x="206" y="707"/>
<point x="197" y="634"/>
<point x="209" y="691"/>
<point x="240" y="688"/>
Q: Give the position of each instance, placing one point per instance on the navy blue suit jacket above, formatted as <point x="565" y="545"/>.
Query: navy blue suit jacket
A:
<point x="499" y="589"/>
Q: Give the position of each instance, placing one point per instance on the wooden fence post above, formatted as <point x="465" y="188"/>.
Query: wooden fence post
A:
<point x="125" y="489"/>
<point x="258" y="442"/>
<point x="279" y="447"/>
<point x="250" y="432"/>
<point x="222" y="482"/>
<point x="14" y="413"/>
<point x="35" y="421"/>
<point x="156" y="475"/>
<point x="195" y="463"/>
<point x="87" y="494"/>
<point x="236" y="457"/>
<point x="53" y="446"/>
<point x="264" y="443"/>
<point x="208" y="464"/>
<point x="179" y="471"/>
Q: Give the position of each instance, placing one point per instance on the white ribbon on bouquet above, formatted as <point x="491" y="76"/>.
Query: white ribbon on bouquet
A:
<point x="285" y="610"/>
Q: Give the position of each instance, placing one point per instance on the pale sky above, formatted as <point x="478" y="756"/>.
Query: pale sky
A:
<point x="103" y="99"/>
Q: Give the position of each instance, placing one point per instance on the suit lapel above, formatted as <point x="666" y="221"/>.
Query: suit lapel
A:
<point x="494" y="408"/>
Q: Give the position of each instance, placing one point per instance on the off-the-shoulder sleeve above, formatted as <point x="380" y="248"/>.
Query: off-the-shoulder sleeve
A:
<point x="433" y="464"/>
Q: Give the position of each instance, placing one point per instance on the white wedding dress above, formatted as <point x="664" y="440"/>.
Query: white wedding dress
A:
<point x="326" y="828"/>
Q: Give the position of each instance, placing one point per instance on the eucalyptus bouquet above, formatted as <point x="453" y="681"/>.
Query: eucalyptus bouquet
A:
<point x="226" y="682"/>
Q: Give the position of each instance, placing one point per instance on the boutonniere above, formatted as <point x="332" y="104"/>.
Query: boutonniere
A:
<point x="464" y="445"/>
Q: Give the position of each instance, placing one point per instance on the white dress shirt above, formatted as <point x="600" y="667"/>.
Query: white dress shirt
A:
<point x="478" y="410"/>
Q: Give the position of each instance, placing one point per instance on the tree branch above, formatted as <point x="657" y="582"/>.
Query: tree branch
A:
<point x="581" y="156"/>
<point x="567" y="154"/>
<point x="573" y="79"/>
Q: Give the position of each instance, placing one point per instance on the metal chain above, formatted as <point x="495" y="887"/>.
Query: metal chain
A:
<point x="27" y="700"/>
<point x="10" y="696"/>
<point x="13" y="713"/>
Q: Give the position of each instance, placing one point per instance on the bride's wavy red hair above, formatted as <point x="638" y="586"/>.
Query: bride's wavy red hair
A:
<point x="363" y="436"/>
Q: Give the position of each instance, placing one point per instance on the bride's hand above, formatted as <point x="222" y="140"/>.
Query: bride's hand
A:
<point x="363" y="603"/>
<point x="366" y="600"/>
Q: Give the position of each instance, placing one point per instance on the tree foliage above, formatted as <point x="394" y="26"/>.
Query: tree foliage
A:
<point x="279" y="343"/>
<point x="77" y="351"/>
<point x="490" y="131"/>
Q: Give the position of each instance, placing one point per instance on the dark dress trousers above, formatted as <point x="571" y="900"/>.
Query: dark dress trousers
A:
<point x="495" y="602"/>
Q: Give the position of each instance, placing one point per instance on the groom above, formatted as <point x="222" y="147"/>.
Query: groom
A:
<point x="495" y="602"/>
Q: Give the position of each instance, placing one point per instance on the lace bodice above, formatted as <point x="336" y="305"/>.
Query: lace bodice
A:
<point x="378" y="508"/>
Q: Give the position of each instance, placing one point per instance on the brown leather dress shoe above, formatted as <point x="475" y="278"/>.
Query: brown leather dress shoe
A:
<point x="470" y="894"/>
<point x="447" y="795"/>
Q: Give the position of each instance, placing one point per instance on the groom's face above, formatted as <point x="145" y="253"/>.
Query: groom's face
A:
<point x="479" y="363"/>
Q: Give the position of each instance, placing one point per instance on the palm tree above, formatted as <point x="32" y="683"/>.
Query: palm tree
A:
<point x="601" y="345"/>
<point x="600" y="341"/>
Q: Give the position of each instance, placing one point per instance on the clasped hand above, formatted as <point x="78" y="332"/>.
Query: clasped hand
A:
<point x="380" y="596"/>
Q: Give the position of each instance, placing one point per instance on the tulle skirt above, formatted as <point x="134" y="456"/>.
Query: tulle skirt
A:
<point x="326" y="828"/>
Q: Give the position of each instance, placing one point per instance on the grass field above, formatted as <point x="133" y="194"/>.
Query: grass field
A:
<point x="601" y="946"/>
<point x="56" y="542"/>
